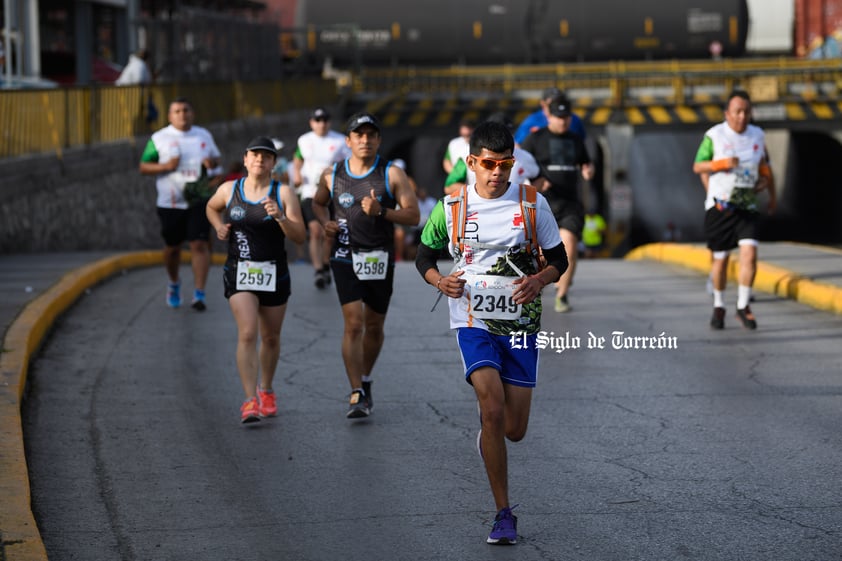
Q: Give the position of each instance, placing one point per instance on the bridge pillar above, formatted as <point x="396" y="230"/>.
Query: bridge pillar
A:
<point x="616" y="147"/>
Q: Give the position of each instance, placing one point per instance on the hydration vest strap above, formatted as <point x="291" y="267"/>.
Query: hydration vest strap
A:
<point x="458" y="203"/>
<point x="458" y="217"/>
<point x="528" y="210"/>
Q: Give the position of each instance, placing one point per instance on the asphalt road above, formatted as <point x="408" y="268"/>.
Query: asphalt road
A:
<point x="725" y="448"/>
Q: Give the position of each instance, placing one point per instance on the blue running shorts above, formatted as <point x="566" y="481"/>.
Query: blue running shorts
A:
<point x="516" y="359"/>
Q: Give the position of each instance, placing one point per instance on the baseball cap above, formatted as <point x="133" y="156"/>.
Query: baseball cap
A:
<point x="359" y="119"/>
<point x="559" y="106"/>
<point x="320" y="113"/>
<point x="262" y="143"/>
<point x="550" y="93"/>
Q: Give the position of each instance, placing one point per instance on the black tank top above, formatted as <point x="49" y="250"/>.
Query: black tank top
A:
<point x="254" y="235"/>
<point x="357" y="230"/>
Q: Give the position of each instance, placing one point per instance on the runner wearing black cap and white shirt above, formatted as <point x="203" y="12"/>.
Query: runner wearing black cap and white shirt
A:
<point x="364" y="192"/>
<point x="179" y="155"/>
<point x="316" y="150"/>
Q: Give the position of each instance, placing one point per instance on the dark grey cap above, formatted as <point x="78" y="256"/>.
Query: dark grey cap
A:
<point x="560" y="107"/>
<point x="320" y="113"/>
<point x="262" y="143"/>
<point x="359" y="119"/>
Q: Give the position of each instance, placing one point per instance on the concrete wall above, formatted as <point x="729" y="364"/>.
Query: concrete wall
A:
<point x="95" y="198"/>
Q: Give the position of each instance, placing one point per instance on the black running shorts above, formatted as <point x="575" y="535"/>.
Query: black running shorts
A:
<point x="376" y="294"/>
<point x="307" y="211"/>
<point x="279" y="297"/>
<point x="569" y="215"/>
<point x="184" y="224"/>
<point x="725" y="228"/>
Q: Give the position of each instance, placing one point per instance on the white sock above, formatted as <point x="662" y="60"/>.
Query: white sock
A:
<point x="718" y="298"/>
<point x="743" y="296"/>
<point x="366" y="379"/>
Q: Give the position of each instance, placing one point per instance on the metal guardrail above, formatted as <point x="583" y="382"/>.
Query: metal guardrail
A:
<point x="621" y="84"/>
<point x="37" y="121"/>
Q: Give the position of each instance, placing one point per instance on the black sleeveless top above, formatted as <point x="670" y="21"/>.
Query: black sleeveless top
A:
<point x="254" y="235"/>
<point x="357" y="230"/>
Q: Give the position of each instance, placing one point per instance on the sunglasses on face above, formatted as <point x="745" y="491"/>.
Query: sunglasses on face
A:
<point x="490" y="163"/>
<point x="321" y="120"/>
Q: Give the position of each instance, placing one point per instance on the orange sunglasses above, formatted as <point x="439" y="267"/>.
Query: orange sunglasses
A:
<point x="490" y="163"/>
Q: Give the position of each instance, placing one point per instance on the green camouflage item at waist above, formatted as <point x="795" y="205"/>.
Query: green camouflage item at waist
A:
<point x="744" y="199"/>
<point x="197" y="191"/>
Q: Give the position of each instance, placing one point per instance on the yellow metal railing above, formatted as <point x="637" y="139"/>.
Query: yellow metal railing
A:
<point x="53" y="120"/>
<point x="620" y="83"/>
<point x="37" y="121"/>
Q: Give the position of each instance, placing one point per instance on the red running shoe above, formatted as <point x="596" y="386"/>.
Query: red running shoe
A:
<point x="268" y="404"/>
<point x="250" y="411"/>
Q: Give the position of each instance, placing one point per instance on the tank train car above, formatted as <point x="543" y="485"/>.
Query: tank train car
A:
<point x="475" y="32"/>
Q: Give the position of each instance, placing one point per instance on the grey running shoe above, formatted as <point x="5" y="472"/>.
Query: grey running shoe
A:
<point x="369" y="398"/>
<point x="561" y="305"/>
<point x="358" y="406"/>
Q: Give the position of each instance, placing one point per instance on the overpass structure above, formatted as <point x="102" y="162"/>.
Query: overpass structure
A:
<point x="784" y="90"/>
<point x="644" y="122"/>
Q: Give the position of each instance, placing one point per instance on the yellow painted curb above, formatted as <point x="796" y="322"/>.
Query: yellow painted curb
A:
<point x="20" y="535"/>
<point x="20" y="539"/>
<point x="690" y="256"/>
<point x="769" y="278"/>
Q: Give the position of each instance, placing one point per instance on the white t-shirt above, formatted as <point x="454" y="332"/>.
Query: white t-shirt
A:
<point x="495" y="222"/>
<point x="749" y="146"/>
<point x="317" y="153"/>
<point x="457" y="149"/>
<point x="192" y="146"/>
